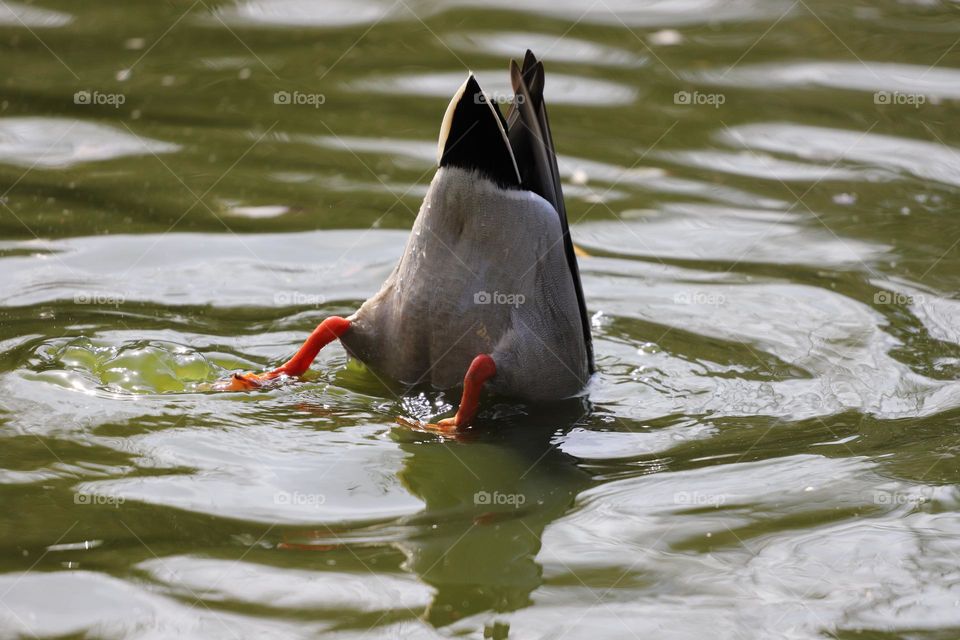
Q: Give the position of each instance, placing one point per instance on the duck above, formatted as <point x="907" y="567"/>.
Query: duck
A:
<point x="487" y="296"/>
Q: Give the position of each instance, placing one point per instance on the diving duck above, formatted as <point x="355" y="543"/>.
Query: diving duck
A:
<point x="487" y="293"/>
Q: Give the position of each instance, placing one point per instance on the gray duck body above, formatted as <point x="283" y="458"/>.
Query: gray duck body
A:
<point x="489" y="267"/>
<point x="484" y="271"/>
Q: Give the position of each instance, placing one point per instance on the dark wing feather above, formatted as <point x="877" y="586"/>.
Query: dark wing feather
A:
<point x="528" y="129"/>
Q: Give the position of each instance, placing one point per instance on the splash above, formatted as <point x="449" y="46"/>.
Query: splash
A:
<point x="139" y="367"/>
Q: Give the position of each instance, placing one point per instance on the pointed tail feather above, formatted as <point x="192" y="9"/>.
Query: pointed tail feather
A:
<point x="472" y="137"/>
<point x="528" y="129"/>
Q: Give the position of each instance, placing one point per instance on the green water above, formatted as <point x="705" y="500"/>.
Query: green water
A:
<point x="768" y="191"/>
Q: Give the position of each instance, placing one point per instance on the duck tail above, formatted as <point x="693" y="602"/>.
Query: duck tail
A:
<point x="474" y="137"/>
<point x="528" y="130"/>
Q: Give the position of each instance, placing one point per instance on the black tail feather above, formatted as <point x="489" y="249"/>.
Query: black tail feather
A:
<point x="530" y="138"/>
<point x="473" y="137"/>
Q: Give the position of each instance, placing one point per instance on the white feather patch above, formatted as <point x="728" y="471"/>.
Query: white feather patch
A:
<point x="448" y="119"/>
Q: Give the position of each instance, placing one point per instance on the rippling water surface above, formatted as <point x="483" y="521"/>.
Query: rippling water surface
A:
<point x="768" y="194"/>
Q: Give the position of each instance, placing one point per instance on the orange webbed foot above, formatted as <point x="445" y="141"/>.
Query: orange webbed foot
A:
<point x="481" y="369"/>
<point x="325" y="333"/>
<point x="244" y="381"/>
<point x="445" y="427"/>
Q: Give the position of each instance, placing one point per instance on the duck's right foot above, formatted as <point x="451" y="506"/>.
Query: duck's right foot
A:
<point x="481" y="369"/>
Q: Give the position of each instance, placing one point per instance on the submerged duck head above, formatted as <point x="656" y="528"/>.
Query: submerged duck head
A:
<point x="487" y="292"/>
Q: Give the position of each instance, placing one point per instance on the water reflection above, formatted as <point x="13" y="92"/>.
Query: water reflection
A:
<point x="487" y="503"/>
<point x="60" y="143"/>
<point x="647" y="13"/>
<point x="299" y="13"/>
<point x="562" y="88"/>
<point x="17" y="15"/>
<point x="505" y="44"/>
<point x="933" y="82"/>
<point x="929" y="160"/>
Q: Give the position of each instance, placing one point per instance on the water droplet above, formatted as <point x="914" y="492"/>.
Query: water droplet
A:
<point x="666" y="37"/>
<point x="845" y="198"/>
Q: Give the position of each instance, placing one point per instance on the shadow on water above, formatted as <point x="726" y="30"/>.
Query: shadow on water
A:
<point x="488" y="498"/>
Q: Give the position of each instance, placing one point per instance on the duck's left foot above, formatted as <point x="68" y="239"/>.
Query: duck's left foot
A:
<point x="325" y="333"/>
<point x="447" y="426"/>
